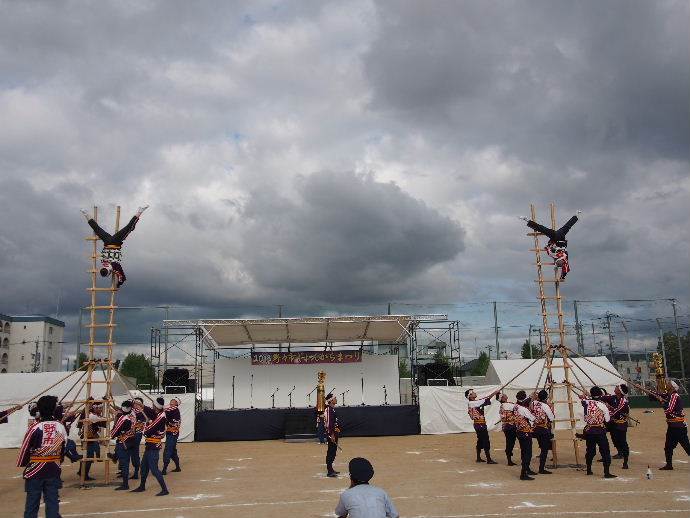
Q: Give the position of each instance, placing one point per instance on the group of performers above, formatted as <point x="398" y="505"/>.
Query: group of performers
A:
<point x="47" y="443"/>
<point x="532" y="417"/>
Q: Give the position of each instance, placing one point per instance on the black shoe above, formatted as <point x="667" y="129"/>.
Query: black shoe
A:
<point x="625" y="465"/>
<point x="491" y="461"/>
<point x="525" y="476"/>
<point x="332" y="475"/>
<point x="590" y="472"/>
<point x="617" y="456"/>
<point x="176" y="470"/>
<point x="140" y="489"/>
<point x="667" y="467"/>
<point x="609" y="475"/>
<point x="122" y="488"/>
<point x="163" y="492"/>
<point x="530" y="472"/>
<point x="545" y="472"/>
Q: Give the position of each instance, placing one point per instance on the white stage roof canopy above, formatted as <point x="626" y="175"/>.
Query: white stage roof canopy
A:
<point x="242" y="332"/>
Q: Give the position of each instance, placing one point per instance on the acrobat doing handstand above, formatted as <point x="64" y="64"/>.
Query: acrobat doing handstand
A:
<point x="111" y="254"/>
<point x="557" y="247"/>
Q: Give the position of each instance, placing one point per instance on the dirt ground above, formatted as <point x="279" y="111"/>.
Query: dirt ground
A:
<point x="427" y="476"/>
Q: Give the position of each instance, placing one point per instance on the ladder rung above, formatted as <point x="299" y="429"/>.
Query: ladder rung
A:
<point x="100" y="307"/>
<point x="565" y="420"/>
<point x="544" y="264"/>
<point x="101" y="343"/>
<point x="551" y="280"/>
<point x="101" y="325"/>
<point x="102" y="439"/>
<point x="91" y="238"/>
<point x="550" y="298"/>
<point x="97" y="381"/>
<point x="565" y="401"/>
<point x="102" y="289"/>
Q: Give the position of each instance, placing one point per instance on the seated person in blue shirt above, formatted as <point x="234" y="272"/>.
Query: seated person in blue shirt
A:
<point x="363" y="500"/>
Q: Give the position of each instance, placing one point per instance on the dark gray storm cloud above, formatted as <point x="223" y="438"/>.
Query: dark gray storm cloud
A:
<point x="346" y="238"/>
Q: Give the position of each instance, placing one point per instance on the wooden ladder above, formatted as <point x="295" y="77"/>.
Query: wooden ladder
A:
<point x="552" y="305"/>
<point x="100" y="355"/>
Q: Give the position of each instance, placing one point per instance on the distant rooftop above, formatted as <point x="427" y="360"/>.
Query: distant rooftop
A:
<point x="32" y="318"/>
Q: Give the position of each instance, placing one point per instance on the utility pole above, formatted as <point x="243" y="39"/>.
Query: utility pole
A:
<point x="36" y="358"/>
<point x="627" y="339"/>
<point x="663" y="346"/>
<point x="541" y="344"/>
<point x="578" y="332"/>
<point x="496" y="330"/>
<point x="529" y="341"/>
<point x="608" y="326"/>
<point x="680" y="348"/>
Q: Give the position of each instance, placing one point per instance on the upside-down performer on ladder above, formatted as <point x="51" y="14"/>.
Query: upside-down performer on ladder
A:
<point x="475" y="409"/>
<point x="111" y="255"/>
<point x="557" y="247"/>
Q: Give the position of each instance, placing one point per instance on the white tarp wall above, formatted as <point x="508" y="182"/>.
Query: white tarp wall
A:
<point x="376" y="370"/>
<point x="444" y="409"/>
<point x="16" y="388"/>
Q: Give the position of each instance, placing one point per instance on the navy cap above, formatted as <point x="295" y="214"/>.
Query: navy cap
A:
<point x="361" y="469"/>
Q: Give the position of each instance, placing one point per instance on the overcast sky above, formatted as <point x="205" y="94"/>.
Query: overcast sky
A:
<point x="335" y="154"/>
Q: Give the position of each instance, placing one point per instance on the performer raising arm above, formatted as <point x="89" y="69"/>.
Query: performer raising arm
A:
<point x="596" y="417"/>
<point x="475" y="409"/>
<point x="543" y="417"/>
<point x="619" y="408"/>
<point x="508" y="426"/>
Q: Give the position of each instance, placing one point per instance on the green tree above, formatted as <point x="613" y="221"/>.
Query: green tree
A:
<point x="536" y="353"/>
<point x="673" y="355"/>
<point x="139" y="367"/>
<point x="403" y="369"/>
<point x="481" y="366"/>
<point x="83" y="358"/>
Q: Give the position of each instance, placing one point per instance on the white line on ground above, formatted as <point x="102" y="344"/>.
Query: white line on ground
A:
<point x="196" y="498"/>
<point x="414" y="452"/>
<point x="681" y="461"/>
<point x="549" y="493"/>
<point x="240" y="459"/>
<point x="525" y="505"/>
<point x="684" y="498"/>
<point x="485" y="484"/>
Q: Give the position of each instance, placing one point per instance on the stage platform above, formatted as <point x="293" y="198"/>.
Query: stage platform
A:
<point x="270" y="423"/>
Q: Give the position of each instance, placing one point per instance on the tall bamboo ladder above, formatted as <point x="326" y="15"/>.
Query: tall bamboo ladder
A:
<point x="100" y="355"/>
<point x="552" y="306"/>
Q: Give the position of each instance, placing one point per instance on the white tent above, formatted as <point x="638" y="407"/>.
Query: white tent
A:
<point x="18" y="388"/>
<point x="502" y="371"/>
<point x="444" y="409"/>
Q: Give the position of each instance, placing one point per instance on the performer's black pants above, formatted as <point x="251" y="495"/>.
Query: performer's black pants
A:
<point x="553" y="235"/>
<point x="525" y="450"/>
<point x="150" y="464"/>
<point x="511" y="436"/>
<point x="593" y="440"/>
<point x="675" y="436"/>
<point x="619" y="438"/>
<point x="544" y="441"/>
<point x="483" y="442"/>
<point x="330" y="454"/>
<point x="119" y="236"/>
